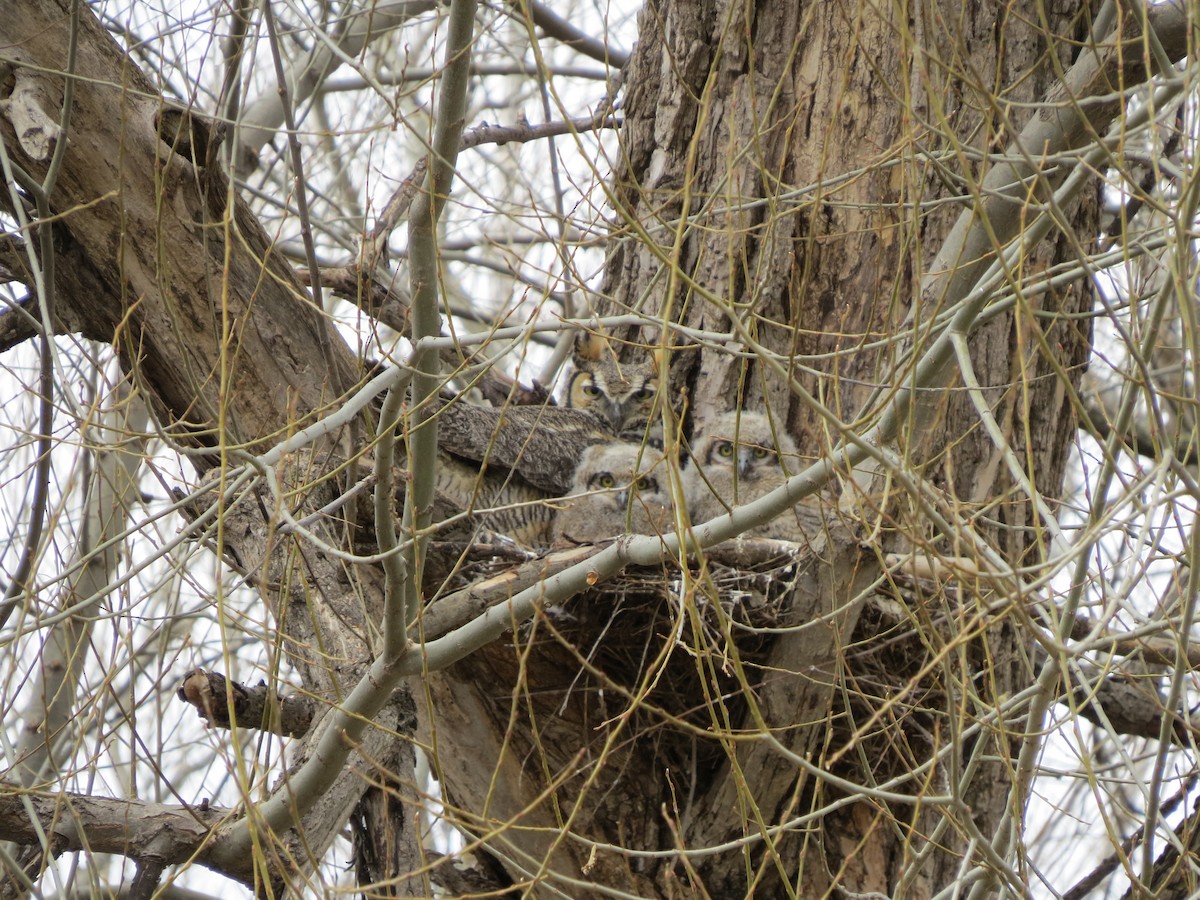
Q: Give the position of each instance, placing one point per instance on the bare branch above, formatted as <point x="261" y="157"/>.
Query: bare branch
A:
<point x="557" y="27"/>
<point x="221" y="702"/>
<point x="137" y="829"/>
<point x="262" y="118"/>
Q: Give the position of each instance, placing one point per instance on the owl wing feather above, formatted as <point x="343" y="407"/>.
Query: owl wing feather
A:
<point x="541" y="444"/>
<point x="496" y="500"/>
<point x="503" y="466"/>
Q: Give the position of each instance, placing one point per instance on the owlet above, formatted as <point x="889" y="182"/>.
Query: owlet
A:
<point x="618" y="488"/>
<point x="736" y="459"/>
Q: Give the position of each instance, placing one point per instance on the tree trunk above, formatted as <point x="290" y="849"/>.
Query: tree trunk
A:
<point x="782" y="170"/>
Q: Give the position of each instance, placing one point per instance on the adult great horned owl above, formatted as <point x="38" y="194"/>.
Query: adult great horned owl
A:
<point x="737" y="459"/>
<point x="501" y="466"/>
<point x="618" y="488"/>
<point x="495" y="499"/>
<point x="622" y="395"/>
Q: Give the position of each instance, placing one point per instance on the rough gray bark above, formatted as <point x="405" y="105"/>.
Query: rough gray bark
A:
<point x="730" y="110"/>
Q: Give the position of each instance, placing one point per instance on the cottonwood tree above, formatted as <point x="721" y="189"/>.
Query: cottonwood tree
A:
<point x="881" y="225"/>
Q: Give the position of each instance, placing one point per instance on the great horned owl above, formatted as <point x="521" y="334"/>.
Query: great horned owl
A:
<point x="618" y="488"/>
<point x="496" y="499"/>
<point x="622" y="395"/>
<point x="512" y="459"/>
<point x="544" y="443"/>
<point x="737" y="459"/>
<point x="541" y="444"/>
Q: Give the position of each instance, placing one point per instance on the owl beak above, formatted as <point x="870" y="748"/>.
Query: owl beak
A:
<point x="745" y="456"/>
<point x="612" y="412"/>
<point x="623" y="498"/>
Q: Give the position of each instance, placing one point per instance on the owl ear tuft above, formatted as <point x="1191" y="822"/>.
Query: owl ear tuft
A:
<point x="590" y="345"/>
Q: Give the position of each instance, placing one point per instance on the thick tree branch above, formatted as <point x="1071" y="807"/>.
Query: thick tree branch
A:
<point x="139" y="830"/>
<point x="262" y="118"/>
<point x="268" y="381"/>
<point x="258" y="707"/>
<point x="555" y="26"/>
<point x="215" y="328"/>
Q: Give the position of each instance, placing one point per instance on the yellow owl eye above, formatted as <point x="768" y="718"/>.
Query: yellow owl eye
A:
<point x="647" y="485"/>
<point x="604" y="480"/>
<point x="724" y="448"/>
<point x="762" y="453"/>
<point x="590" y="390"/>
<point x="645" y="392"/>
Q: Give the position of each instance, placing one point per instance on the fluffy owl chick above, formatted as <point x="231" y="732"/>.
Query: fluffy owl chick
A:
<point x="622" y="395"/>
<point x="735" y="460"/>
<point x="618" y="488"/>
